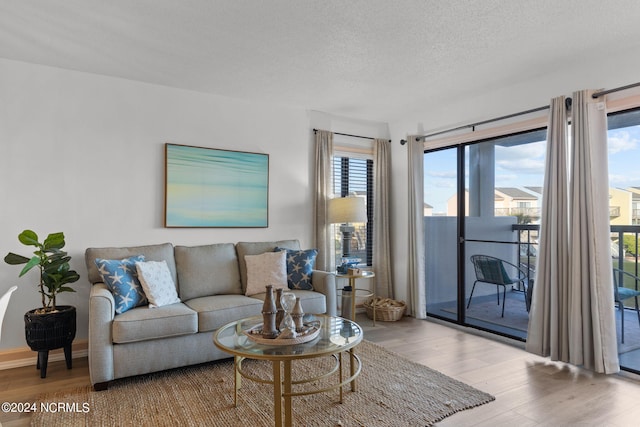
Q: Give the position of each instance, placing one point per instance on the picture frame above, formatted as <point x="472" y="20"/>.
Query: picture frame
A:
<point x="210" y="187"/>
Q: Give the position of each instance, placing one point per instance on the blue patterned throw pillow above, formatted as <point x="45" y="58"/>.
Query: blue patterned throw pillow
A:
<point x="300" y="267"/>
<point x="121" y="278"/>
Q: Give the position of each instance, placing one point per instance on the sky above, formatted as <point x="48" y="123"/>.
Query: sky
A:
<point x="624" y="157"/>
<point x="523" y="165"/>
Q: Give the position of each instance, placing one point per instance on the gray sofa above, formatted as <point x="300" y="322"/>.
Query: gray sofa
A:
<point x="210" y="280"/>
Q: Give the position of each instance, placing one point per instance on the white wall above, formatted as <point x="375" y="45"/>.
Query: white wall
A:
<point x="84" y="154"/>
<point x="110" y="134"/>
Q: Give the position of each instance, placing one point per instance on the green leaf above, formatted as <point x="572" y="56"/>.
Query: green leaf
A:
<point x="54" y="264"/>
<point x="29" y="238"/>
<point x="54" y="241"/>
<point x="32" y="263"/>
<point x="66" y="289"/>
<point x="71" y="277"/>
<point x="59" y="256"/>
<point x="15" y="259"/>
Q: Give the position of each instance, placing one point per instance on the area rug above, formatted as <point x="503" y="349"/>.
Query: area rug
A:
<point x="392" y="391"/>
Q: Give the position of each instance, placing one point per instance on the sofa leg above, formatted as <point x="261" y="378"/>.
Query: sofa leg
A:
<point x="101" y="386"/>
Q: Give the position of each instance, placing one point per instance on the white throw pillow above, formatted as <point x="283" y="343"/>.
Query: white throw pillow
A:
<point x="157" y="283"/>
<point x="269" y="268"/>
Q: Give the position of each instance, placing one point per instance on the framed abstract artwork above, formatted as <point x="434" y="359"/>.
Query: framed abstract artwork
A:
<point x="207" y="187"/>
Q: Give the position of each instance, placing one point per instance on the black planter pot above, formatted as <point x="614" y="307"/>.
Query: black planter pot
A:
<point x="49" y="331"/>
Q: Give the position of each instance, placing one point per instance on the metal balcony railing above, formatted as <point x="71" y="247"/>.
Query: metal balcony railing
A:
<point x="532" y="212"/>
<point x="614" y="212"/>
<point x="625" y="246"/>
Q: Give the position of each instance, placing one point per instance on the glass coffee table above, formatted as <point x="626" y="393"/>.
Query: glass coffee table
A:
<point x="336" y="335"/>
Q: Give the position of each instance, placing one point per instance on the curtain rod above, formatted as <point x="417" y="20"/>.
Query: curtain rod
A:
<point x="567" y="103"/>
<point x="616" y="89"/>
<point x="484" y="122"/>
<point x="347" y="134"/>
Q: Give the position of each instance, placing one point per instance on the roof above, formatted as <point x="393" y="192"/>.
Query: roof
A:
<point x="516" y="193"/>
<point x="534" y="189"/>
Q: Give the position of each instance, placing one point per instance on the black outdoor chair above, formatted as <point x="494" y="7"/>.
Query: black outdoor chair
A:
<point x="622" y="293"/>
<point x="496" y="271"/>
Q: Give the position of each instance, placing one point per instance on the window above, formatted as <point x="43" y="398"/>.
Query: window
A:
<point x="623" y="138"/>
<point x="624" y="180"/>
<point x="354" y="175"/>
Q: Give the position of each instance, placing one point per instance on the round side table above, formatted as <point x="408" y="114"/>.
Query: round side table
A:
<point x="364" y="292"/>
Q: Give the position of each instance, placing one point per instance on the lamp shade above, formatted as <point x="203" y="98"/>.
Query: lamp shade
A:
<point x="347" y="209"/>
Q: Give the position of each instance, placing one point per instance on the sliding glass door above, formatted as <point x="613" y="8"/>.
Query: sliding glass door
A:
<point x="504" y="191"/>
<point x="483" y="203"/>
<point x="441" y="180"/>
<point x="487" y="235"/>
<point x="624" y="218"/>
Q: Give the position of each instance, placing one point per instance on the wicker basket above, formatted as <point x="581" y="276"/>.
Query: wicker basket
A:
<point x="387" y="309"/>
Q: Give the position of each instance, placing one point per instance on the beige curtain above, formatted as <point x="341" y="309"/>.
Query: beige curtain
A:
<point x="323" y="192"/>
<point x="548" y="333"/>
<point x="592" y="339"/>
<point x="417" y="304"/>
<point x="572" y="315"/>
<point x="381" y="220"/>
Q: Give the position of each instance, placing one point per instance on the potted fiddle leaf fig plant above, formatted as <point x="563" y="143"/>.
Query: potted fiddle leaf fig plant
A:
<point x="50" y="326"/>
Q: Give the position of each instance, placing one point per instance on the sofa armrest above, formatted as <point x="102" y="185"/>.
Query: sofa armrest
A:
<point x="325" y="283"/>
<point x="101" y="315"/>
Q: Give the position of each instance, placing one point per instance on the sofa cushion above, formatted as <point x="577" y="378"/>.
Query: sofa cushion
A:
<point x="300" y="265"/>
<point x="121" y="277"/>
<point x="257" y="248"/>
<point x="157" y="283"/>
<point x="159" y="252"/>
<point x="143" y="323"/>
<point x="269" y="268"/>
<point x="216" y="311"/>
<point x="312" y="302"/>
<point x="207" y="270"/>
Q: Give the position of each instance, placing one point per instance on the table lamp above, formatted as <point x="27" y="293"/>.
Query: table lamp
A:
<point x="344" y="211"/>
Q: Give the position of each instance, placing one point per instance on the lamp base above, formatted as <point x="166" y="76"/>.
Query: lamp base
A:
<point x="347" y="232"/>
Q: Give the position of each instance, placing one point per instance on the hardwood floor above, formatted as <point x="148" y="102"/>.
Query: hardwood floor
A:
<point x="529" y="390"/>
<point x="23" y="385"/>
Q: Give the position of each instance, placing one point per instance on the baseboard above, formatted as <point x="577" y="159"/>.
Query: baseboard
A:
<point x="24" y="356"/>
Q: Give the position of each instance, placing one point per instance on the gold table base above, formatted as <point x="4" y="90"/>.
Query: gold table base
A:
<point x="282" y="383"/>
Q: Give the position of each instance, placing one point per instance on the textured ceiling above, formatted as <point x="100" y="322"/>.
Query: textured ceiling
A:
<point x="375" y="60"/>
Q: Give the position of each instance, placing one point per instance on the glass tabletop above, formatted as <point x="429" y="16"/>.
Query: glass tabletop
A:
<point x="363" y="275"/>
<point x="336" y="335"/>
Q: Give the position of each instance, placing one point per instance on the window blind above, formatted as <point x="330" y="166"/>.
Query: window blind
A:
<point x="355" y="176"/>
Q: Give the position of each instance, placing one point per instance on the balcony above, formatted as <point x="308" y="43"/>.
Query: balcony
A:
<point x="519" y="244"/>
<point x="622" y="258"/>
<point x="614" y="211"/>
